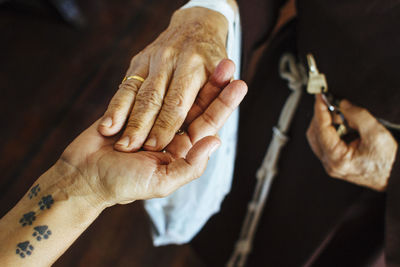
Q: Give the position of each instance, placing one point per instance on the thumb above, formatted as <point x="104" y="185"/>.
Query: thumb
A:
<point x="182" y="171"/>
<point x="357" y="117"/>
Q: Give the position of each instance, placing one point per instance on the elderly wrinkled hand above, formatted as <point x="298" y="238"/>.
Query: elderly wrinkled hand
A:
<point x="366" y="161"/>
<point x="174" y="68"/>
<point x="117" y="177"/>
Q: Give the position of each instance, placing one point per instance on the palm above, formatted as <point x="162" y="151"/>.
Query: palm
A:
<point x="125" y="177"/>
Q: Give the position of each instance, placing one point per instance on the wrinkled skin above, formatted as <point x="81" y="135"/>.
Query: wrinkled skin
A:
<point x="366" y="161"/>
<point x="175" y="66"/>
<point x="117" y="177"/>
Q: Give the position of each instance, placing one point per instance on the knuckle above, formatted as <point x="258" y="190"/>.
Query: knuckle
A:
<point x="115" y="105"/>
<point x="225" y="103"/>
<point x="149" y="98"/>
<point x="201" y="103"/>
<point x="164" y="123"/>
<point x="167" y="121"/>
<point x="210" y="120"/>
<point x="166" y="52"/>
<point x="176" y="100"/>
<point x="194" y="59"/>
<point x="133" y="125"/>
<point x="129" y="87"/>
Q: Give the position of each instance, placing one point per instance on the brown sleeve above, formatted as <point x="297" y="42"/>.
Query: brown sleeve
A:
<point x="392" y="233"/>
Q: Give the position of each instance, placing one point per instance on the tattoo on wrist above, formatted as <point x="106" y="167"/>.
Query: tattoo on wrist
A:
<point x="24" y="248"/>
<point x="28" y="218"/>
<point x="41" y="232"/>
<point x="46" y="202"/>
<point x="34" y="191"/>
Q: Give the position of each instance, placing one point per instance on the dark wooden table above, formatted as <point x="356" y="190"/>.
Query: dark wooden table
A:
<point x="54" y="82"/>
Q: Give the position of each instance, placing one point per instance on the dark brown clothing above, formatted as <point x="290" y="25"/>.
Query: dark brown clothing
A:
<point x="310" y="218"/>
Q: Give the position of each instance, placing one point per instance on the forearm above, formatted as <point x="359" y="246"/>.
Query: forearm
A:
<point x="48" y="219"/>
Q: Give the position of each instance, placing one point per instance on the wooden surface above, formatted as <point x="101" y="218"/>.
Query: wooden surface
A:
<point x="54" y="82"/>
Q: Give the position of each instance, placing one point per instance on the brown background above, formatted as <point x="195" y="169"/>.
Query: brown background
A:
<point x="54" y="82"/>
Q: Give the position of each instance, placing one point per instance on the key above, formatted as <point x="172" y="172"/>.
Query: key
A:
<point x="317" y="85"/>
<point x="316" y="81"/>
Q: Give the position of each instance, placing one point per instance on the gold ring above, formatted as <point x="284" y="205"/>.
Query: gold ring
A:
<point x="180" y="132"/>
<point x="135" y="77"/>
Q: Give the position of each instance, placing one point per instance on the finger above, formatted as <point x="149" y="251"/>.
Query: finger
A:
<point x="322" y="115"/>
<point x="185" y="85"/>
<point x="146" y="107"/>
<point x="359" y="119"/>
<point x="182" y="171"/>
<point x="329" y="142"/>
<point x="218" y="112"/>
<point x="218" y="80"/>
<point x="223" y="73"/>
<point x="121" y="104"/>
<point x="312" y="139"/>
<point x="179" y="146"/>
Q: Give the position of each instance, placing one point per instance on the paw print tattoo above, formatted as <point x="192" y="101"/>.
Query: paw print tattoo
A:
<point x="46" y="202"/>
<point x="41" y="232"/>
<point x="28" y="218"/>
<point x="24" y="248"/>
<point x="34" y="191"/>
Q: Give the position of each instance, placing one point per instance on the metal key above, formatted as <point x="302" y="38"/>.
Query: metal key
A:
<point x="317" y="85"/>
<point x="316" y="81"/>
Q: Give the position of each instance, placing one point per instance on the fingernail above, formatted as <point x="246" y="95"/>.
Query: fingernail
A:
<point x="124" y="141"/>
<point x="212" y="150"/>
<point x="152" y="142"/>
<point x="106" y="122"/>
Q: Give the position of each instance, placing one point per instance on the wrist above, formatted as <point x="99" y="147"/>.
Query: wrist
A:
<point x="70" y="183"/>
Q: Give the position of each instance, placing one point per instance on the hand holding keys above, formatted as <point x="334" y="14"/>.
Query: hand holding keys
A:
<point x="317" y="85"/>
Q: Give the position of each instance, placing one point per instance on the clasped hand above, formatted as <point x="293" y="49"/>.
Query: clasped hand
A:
<point x="113" y="177"/>
<point x="174" y="68"/>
